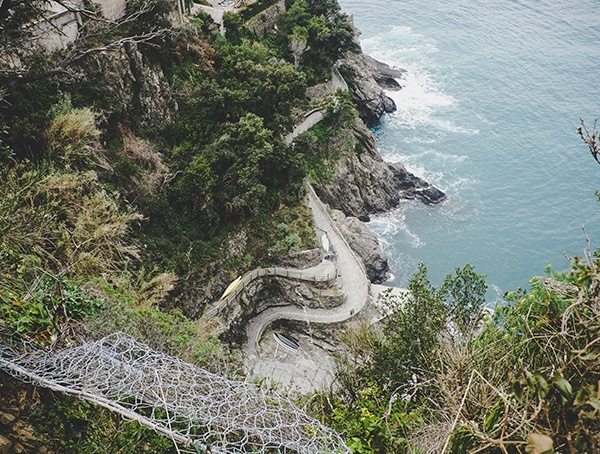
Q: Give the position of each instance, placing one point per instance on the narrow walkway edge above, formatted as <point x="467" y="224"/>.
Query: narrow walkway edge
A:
<point x="351" y="275"/>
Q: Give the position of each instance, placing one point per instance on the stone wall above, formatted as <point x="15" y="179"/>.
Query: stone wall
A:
<point x="60" y="26"/>
<point x="112" y="9"/>
<point x="264" y="23"/>
<point x="46" y="31"/>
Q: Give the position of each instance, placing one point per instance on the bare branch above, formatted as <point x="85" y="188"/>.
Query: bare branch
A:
<point x="24" y="77"/>
<point x="95" y="27"/>
<point x="591" y="139"/>
<point x="137" y="39"/>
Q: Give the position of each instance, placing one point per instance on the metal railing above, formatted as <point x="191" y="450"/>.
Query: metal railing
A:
<point x="288" y="273"/>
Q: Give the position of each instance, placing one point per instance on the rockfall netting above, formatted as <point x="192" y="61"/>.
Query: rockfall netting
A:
<point x="198" y="410"/>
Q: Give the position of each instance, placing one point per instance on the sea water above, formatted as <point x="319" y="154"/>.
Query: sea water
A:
<point x="488" y="112"/>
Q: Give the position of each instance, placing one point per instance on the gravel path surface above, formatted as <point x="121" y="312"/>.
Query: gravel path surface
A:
<point x="309" y="121"/>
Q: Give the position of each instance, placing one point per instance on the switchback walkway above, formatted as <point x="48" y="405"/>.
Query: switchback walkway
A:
<point x="351" y="276"/>
<point x="311" y="367"/>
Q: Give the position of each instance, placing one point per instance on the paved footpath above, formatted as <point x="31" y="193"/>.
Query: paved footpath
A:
<point x="302" y="369"/>
<point x="310" y="367"/>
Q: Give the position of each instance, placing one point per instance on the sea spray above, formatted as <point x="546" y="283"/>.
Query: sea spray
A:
<point x="488" y="112"/>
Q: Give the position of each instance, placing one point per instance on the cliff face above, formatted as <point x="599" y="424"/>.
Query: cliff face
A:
<point x="264" y="23"/>
<point x="364" y="243"/>
<point x="133" y="83"/>
<point x="367" y="78"/>
<point x="363" y="183"/>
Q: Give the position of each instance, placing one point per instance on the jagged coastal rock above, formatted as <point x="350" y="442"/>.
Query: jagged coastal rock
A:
<point x="364" y="243"/>
<point x="363" y="183"/>
<point x="385" y="76"/>
<point x="367" y="79"/>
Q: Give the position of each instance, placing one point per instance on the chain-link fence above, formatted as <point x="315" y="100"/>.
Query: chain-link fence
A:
<point x="199" y="411"/>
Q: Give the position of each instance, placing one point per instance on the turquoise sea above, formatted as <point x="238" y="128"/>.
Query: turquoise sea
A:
<point x="489" y="113"/>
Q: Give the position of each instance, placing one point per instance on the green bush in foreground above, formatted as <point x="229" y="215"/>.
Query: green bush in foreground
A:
<point x="442" y="376"/>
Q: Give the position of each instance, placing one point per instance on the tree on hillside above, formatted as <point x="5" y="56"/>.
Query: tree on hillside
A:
<point x="298" y="43"/>
<point x="254" y="81"/>
<point x="525" y="378"/>
<point x="319" y="33"/>
<point x="240" y="174"/>
<point x="464" y="297"/>
<point x="402" y="375"/>
<point x="416" y="326"/>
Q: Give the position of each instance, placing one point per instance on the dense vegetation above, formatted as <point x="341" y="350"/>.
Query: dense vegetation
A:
<point x="446" y="375"/>
<point x="109" y="222"/>
<point x="112" y="221"/>
<point x="107" y="195"/>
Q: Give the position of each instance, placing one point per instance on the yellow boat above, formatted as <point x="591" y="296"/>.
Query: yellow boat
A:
<point x="230" y="289"/>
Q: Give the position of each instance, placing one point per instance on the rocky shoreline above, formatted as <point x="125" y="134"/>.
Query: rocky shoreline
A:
<point x="363" y="183"/>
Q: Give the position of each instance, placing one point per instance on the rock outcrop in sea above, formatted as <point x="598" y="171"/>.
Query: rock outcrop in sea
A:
<point x="367" y="79"/>
<point x="362" y="182"/>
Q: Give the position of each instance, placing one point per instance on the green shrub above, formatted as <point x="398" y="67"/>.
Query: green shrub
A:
<point x="167" y="331"/>
<point x="40" y="308"/>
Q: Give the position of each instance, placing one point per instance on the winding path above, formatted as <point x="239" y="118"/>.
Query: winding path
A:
<point x="313" y="117"/>
<point x="351" y="275"/>
<point x="309" y="368"/>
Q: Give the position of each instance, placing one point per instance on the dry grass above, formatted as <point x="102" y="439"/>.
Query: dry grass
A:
<point x="73" y="139"/>
<point x="154" y="172"/>
<point x="94" y="230"/>
<point x="150" y="289"/>
<point x="26" y="226"/>
<point x="429" y="438"/>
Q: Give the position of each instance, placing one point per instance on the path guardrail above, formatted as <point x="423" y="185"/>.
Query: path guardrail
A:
<point x="250" y="276"/>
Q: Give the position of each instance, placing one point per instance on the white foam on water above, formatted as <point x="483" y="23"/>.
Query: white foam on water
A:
<point x="487" y="81"/>
<point x="421" y="108"/>
<point x="396" y="45"/>
<point x="422" y="100"/>
<point x="459" y="184"/>
<point x="429" y="140"/>
<point x="391" y="225"/>
<point x="433" y="154"/>
<point x="418" y="103"/>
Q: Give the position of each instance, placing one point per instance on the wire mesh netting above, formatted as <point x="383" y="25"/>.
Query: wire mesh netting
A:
<point x="198" y="410"/>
